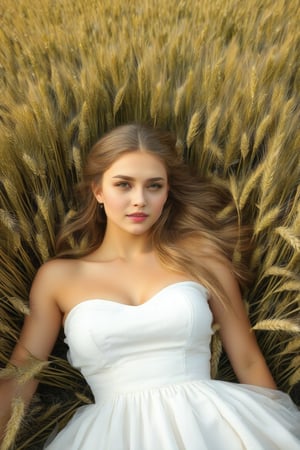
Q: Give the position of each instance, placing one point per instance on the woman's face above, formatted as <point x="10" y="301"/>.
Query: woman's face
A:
<point x="133" y="191"/>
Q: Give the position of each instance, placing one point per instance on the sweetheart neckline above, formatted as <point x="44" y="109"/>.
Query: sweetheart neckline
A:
<point x="126" y="305"/>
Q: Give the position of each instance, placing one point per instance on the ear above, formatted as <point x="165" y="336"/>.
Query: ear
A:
<point x="97" y="191"/>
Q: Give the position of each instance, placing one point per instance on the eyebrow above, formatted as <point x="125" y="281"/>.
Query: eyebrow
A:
<point x="125" y="177"/>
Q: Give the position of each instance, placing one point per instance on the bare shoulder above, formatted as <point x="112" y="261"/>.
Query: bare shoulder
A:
<point x="222" y="270"/>
<point x="58" y="268"/>
<point x="50" y="276"/>
<point x="54" y="268"/>
<point x="42" y="324"/>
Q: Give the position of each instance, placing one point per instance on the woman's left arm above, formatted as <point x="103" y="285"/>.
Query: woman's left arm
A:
<point x="238" y="340"/>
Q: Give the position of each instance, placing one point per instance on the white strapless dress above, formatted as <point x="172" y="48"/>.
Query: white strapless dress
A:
<point x="149" y="369"/>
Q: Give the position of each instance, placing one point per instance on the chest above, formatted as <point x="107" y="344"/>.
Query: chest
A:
<point x="124" y="283"/>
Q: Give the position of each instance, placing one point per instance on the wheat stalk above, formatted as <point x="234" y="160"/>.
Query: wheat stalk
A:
<point x="250" y="185"/>
<point x="277" y="325"/>
<point x="216" y="351"/>
<point x="193" y="128"/>
<point x="293" y="285"/>
<point x="119" y="98"/>
<point x="19" y="305"/>
<point x="278" y="271"/>
<point x="13" y="423"/>
<point x="290" y="237"/>
<point x="211" y="126"/>
<point x="266" y="220"/>
<point x="156" y="101"/>
<point x="295" y="377"/>
<point x="292" y="346"/>
<point x="244" y="145"/>
<point x="261" y="131"/>
<point x="179" y="98"/>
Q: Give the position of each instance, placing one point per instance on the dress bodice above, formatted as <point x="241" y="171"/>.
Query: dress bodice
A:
<point x="118" y="347"/>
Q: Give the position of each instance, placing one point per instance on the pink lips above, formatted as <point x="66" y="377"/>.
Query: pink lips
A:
<point x="137" y="217"/>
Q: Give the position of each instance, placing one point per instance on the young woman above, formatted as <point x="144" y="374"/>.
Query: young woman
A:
<point x="143" y="271"/>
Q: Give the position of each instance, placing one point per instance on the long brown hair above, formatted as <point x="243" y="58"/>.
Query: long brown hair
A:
<point x="198" y="219"/>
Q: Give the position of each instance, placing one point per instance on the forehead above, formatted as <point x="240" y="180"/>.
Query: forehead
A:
<point x="138" y="164"/>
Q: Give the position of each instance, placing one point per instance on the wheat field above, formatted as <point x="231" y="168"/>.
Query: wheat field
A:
<point x="224" y="75"/>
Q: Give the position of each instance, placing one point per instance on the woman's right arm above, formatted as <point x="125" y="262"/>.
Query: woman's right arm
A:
<point x="38" y="336"/>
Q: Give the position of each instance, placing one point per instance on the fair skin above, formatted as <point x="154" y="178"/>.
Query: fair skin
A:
<point x="133" y="192"/>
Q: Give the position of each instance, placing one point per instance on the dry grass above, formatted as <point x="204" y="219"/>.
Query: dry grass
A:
<point x="223" y="75"/>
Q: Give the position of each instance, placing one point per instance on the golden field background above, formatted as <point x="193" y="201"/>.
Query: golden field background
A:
<point x="224" y="75"/>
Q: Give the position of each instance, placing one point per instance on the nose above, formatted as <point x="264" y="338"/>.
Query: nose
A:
<point x="138" y="198"/>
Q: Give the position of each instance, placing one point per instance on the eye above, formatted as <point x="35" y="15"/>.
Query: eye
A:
<point x="123" y="184"/>
<point x="155" y="186"/>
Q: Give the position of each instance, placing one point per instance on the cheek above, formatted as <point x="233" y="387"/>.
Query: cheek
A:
<point x="161" y="202"/>
<point x="113" y="201"/>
